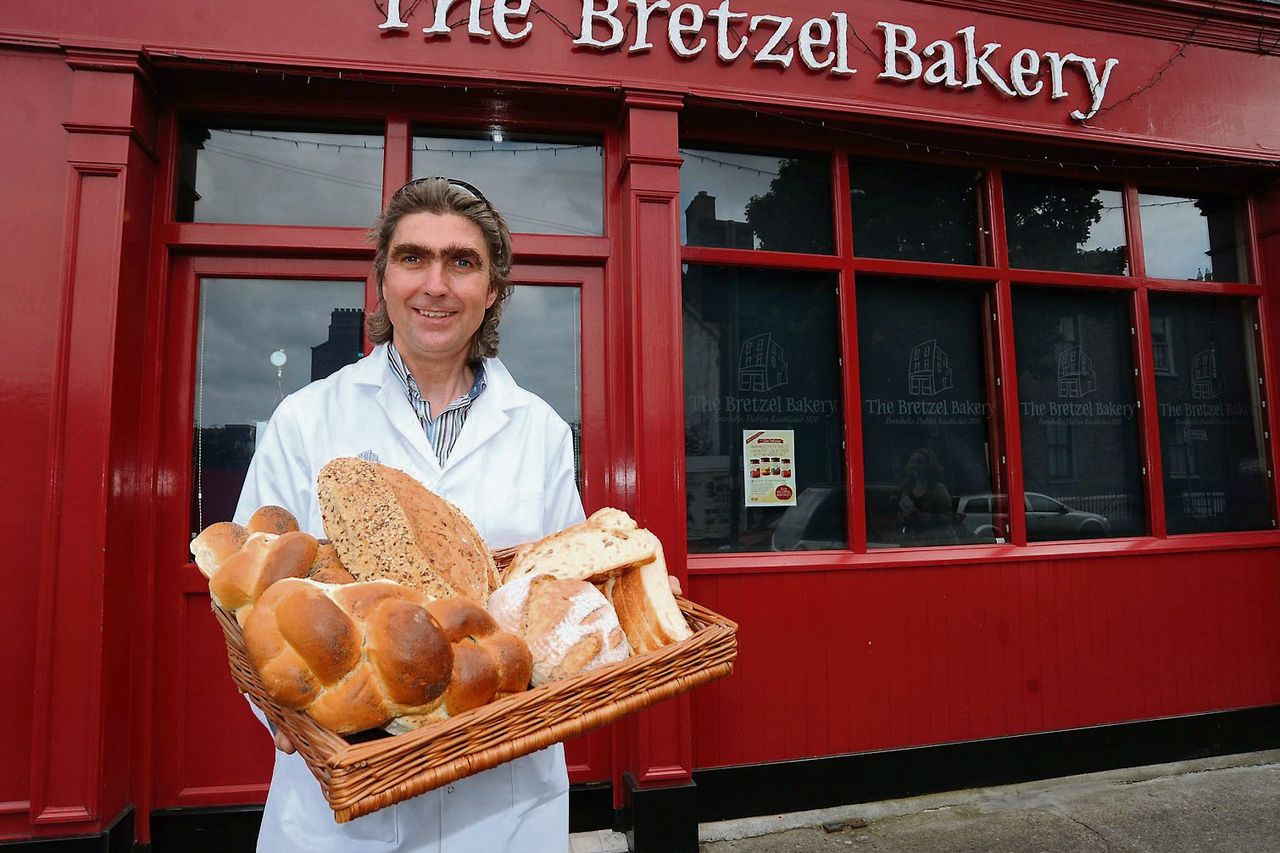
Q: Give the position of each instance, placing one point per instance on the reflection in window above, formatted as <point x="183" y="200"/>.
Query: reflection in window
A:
<point x="915" y="213"/>
<point x="542" y="347"/>
<point x="1063" y="225"/>
<point x="761" y="352"/>
<point x="1192" y="238"/>
<point x="1081" y="461"/>
<point x="540" y="185"/>
<point x="246" y="325"/>
<point x="269" y="176"/>
<point x="1211" y="426"/>
<point x="925" y="416"/>
<point x="756" y="201"/>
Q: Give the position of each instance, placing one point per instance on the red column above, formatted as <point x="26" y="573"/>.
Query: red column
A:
<point x="658" y="777"/>
<point x="87" y="611"/>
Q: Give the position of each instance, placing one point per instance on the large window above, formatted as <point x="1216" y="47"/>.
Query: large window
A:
<point x="1124" y="363"/>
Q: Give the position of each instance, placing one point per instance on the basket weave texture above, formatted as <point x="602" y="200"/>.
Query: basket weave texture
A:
<point x="359" y="778"/>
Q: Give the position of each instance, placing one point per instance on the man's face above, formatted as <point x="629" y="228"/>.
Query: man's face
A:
<point x="436" y="285"/>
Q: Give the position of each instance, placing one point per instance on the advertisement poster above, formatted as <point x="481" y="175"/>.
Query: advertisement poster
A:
<point x="768" y="457"/>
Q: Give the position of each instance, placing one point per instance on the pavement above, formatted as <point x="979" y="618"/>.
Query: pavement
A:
<point x="1228" y="804"/>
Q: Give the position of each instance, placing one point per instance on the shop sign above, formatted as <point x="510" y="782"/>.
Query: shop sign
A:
<point x="957" y="62"/>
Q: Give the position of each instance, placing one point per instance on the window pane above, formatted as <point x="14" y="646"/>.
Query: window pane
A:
<point x="541" y="345"/>
<point x="761" y="350"/>
<point x="1211" y="423"/>
<point x="541" y="185"/>
<point x="925" y="416"/>
<point x="1064" y="225"/>
<point x="756" y="201"/>
<point x="1081" y="462"/>
<point x="1198" y="238"/>
<point x="243" y="322"/>
<point x="269" y="176"/>
<point x="915" y="213"/>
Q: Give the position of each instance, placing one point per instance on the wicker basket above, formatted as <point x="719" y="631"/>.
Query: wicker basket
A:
<point x="359" y="778"/>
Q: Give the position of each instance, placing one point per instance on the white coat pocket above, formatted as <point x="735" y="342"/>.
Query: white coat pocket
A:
<point x="515" y="518"/>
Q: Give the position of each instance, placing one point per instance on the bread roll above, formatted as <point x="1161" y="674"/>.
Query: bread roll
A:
<point x="593" y="550"/>
<point x="646" y="607"/>
<point x="272" y="519"/>
<point x="215" y="544"/>
<point x="385" y="524"/>
<point x="567" y="624"/>
<point x="263" y="559"/>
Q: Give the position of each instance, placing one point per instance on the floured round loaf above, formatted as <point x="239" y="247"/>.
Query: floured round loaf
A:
<point x="601" y="547"/>
<point x="568" y="624"/>
<point x="385" y="524"/>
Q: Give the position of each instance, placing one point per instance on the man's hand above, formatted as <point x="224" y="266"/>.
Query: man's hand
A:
<point x="284" y="744"/>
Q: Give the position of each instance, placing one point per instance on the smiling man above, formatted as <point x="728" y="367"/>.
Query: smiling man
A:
<point x="431" y="399"/>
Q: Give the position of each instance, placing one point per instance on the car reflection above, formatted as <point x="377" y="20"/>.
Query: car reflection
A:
<point x="1047" y="518"/>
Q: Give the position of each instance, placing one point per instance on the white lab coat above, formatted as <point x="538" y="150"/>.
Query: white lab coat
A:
<point x="511" y="472"/>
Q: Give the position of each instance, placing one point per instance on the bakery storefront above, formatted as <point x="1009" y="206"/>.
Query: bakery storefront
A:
<point x="971" y="308"/>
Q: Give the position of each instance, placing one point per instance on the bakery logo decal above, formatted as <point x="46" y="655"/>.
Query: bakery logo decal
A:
<point x="762" y="366"/>
<point x="958" y="62"/>
<point x="1206" y="377"/>
<point x="929" y="372"/>
<point x="1075" y="373"/>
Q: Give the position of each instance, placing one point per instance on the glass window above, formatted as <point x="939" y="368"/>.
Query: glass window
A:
<point x="541" y="185"/>
<point x="259" y="340"/>
<point x="925" y="416"/>
<point x="1081" y="461"/>
<point x="1199" y="238"/>
<point x="756" y="201"/>
<point x="542" y="347"/>
<point x="1064" y="225"/>
<point x="761" y="352"/>
<point x="915" y="213"/>
<point x="280" y="176"/>
<point x="1211" y="425"/>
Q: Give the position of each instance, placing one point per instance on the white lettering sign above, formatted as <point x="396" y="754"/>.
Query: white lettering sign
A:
<point x="958" y="62"/>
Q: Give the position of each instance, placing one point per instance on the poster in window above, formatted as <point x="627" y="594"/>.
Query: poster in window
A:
<point x="768" y="460"/>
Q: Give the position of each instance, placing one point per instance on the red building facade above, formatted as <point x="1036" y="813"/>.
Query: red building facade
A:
<point x="1005" y="276"/>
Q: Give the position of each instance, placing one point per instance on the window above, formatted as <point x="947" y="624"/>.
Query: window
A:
<point x="755" y="201"/>
<point x="280" y="175"/>
<point x="1064" y="225"/>
<point x="916" y="213"/>
<point x="925" y="416"/>
<point x="1192" y="237"/>
<point x="761" y="351"/>
<point x="258" y="341"/>
<point x="542" y="185"/>
<point x="1081" y="459"/>
<point x="1211" y="420"/>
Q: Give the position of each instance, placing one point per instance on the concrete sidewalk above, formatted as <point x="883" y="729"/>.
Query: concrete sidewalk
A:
<point x="1229" y="804"/>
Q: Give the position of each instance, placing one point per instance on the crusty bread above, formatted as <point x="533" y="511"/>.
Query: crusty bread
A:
<point x="272" y="519"/>
<point x="264" y="559"/>
<point x="215" y="544"/>
<point x="567" y="624"/>
<point x="385" y="524"/>
<point x="646" y="607"/>
<point x="593" y="550"/>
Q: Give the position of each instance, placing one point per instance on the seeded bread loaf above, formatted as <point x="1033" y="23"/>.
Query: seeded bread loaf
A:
<point x="385" y="524"/>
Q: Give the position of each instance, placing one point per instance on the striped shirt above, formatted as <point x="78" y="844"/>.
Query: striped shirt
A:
<point x="442" y="432"/>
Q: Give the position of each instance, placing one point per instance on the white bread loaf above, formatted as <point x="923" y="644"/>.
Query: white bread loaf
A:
<point x="646" y="606"/>
<point x="356" y="656"/>
<point x="593" y="550"/>
<point x="568" y="625"/>
<point x="385" y="524"/>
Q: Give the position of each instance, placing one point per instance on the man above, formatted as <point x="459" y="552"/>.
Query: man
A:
<point x="431" y="399"/>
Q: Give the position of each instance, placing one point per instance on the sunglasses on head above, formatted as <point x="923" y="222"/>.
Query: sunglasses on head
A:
<point x="453" y="182"/>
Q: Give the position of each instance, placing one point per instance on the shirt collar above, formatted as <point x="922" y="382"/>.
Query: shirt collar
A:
<point x="402" y="372"/>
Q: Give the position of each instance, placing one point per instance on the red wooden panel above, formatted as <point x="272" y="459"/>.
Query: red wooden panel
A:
<point x="33" y="167"/>
<point x="935" y="654"/>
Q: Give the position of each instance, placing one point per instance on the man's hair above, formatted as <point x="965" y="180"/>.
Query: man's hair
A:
<point x="439" y="196"/>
